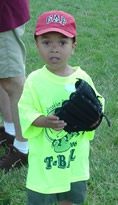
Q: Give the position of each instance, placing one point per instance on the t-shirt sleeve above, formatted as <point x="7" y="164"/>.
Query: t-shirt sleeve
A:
<point x="29" y="109"/>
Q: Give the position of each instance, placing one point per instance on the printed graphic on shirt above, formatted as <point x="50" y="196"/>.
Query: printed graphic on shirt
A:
<point x="61" y="161"/>
<point x="61" y="142"/>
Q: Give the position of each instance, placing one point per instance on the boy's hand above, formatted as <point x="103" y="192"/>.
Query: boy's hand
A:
<point x="53" y="122"/>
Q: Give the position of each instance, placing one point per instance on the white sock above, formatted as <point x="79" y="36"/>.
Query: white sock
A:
<point x="21" y="146"/>
<point x="9" y="128"/>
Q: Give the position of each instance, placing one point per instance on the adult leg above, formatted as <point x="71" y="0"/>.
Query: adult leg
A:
<point x="14" y="87"/>
<point x="5" y="108"/>
<point x="12" y="68"/>
<point x="7" y="131"/>
<point x="16" y="155"/>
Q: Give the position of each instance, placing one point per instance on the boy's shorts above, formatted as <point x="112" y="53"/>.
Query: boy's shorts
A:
<point x="12" y="53"/>
<point x="76" y="195"/>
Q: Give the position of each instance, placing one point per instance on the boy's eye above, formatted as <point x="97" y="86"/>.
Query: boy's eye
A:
<point x="46" y="43"/>
<point x="62" y="43"/>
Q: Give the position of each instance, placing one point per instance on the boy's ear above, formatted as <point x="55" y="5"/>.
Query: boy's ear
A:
<point x="36" y="42"/>
<point x="74" y="46"/>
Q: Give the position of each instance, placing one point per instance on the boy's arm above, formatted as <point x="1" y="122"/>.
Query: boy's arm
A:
<point x="51" y="121"/>
<point x="31" y="115"/>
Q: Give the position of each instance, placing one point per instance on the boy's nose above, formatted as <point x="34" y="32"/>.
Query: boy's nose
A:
<point x="54" y="48"/>
<point x="54" y="51"/>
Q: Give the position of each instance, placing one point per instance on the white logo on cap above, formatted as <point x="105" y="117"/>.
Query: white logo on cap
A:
<point x="56" y="19"/>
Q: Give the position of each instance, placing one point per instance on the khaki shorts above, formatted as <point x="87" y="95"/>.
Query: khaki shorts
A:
<point x="76" y="195"/>
<point x="12" y="53"/>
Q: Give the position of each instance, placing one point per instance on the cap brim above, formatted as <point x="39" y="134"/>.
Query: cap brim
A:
<point x="65" y="33"/>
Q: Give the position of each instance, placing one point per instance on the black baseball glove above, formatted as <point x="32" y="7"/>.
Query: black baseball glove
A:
<point x="83" y="110"/>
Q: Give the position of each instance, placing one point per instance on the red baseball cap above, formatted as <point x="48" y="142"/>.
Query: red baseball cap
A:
<point x="57" y="21"/>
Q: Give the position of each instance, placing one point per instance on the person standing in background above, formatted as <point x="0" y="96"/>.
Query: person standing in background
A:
<point x="13" y="16"/>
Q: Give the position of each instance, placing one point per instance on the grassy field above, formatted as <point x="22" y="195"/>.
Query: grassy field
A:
<point x="97" y="54"/>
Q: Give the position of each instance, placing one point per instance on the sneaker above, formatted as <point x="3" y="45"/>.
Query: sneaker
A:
<point x="13" y="159"/>
<point x="5" y="138"/>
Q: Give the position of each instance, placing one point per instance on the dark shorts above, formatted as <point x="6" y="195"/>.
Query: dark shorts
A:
<point x="76" y="195"/>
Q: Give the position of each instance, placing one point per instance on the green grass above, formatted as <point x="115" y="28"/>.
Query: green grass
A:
<point x="97" y="54"/>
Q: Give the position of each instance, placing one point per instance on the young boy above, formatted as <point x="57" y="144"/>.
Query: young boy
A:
<point x="58" y="162"/>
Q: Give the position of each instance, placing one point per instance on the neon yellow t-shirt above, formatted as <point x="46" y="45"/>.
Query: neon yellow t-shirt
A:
<point x="56" y="158"/>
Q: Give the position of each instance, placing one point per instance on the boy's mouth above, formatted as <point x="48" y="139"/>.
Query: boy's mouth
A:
<point x="54" y="59"/>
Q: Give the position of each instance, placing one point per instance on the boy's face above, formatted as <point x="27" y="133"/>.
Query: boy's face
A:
<point x="55" y="49"/>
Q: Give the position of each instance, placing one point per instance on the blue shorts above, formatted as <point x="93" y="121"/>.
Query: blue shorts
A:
<point x="76" y="195"/>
